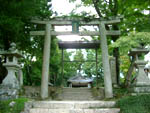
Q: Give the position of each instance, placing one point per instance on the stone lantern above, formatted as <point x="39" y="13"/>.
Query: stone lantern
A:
<point x="142" y="82"/>
<point x="12" y="66"/>
<point x="10" y="85"/>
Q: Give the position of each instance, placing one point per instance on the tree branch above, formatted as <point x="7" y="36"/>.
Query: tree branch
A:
<point x="123" y="4"/>
<point x="115" y="7"/>
<point x="106" y="1"/>
<point x="110" y="5"/>
<point x="97" y="8"/>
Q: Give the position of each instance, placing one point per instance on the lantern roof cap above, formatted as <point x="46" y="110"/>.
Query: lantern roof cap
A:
<point x="138" y="51"/>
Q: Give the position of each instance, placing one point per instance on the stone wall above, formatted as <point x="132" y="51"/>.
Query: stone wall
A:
<point x="34" y="91"/>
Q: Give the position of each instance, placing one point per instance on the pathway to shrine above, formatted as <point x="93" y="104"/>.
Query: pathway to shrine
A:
<point x="78" y="100"/>
<point x="49" y="31"/>
<point x="72" y="100"/>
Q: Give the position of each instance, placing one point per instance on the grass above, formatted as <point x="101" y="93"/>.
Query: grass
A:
<point x="134" y="104"/>
<point x="17" y="108"/>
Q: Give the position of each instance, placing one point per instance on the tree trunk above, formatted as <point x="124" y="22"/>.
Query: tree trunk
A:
<point x="129" y="73"/>
<point x="116" y="55"/>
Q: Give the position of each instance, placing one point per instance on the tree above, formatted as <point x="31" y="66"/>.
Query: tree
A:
<point x="126" y="43"/>
<point x="15" y="26"/>
<point x="133" y="17"/>
<point x="78" y="57"/>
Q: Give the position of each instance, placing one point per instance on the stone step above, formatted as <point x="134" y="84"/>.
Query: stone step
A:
<point x="73" y="104"/>
<point x="76" y="94"/>
<point x="76" y="89"/>
<point x="104" y="110"/>
<point x="77" y="99"/>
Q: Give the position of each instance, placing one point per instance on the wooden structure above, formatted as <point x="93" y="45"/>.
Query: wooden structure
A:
<point x="79" y="45"/>
<point x="68" y="21"/>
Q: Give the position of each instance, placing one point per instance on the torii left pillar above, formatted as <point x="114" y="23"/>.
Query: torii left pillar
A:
<point x="46" y="61"/>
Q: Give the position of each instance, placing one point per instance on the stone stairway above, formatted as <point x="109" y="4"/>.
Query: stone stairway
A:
<point x="74" y="100"/>
<point x="71" y="107"/>
<point x="76" y="94"/>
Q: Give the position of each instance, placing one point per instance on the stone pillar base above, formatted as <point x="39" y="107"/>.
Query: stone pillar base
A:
<point x="7" y="92"/>
<point x="143" y="89"/>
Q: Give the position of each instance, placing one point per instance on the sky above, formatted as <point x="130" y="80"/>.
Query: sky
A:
<point x="63" y="7"/>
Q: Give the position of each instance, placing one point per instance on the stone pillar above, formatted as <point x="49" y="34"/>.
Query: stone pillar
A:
<point x="112" y="61"/>
<point x="20" y="77"/>
<point x="45" y="66"/>
<point x="105" y="59"/>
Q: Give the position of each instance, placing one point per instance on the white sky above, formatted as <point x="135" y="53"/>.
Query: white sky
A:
<point x="63" y="7"/>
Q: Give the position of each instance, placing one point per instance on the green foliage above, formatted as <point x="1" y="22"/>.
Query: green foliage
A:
<point x="78" y="57"/>
<point x="15" y="26"/>
<point x="126" y="43"/>
<point x="14" y="14"/>
<point x="55" y="61"/>
<point x="33" y="64"/>
<point x="17" y="108"/>
<point x="90" y="67"/>
<point x="70" y="68"/>
<point x="15" y="21"/>
<point x="134" y="104"/>
<point x="120" y="92"/>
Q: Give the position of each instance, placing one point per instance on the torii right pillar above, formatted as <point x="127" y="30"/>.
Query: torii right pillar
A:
<point x="105" y="57"/>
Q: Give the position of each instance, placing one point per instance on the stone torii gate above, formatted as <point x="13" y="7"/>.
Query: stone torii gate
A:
<point x="69" y="21"/>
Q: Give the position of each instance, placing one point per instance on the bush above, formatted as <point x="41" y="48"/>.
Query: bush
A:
<point x="16" y="108"/>
<point x="134" y="104"/>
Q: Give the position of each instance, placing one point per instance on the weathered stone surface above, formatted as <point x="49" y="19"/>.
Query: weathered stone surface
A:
<point x="104" y="110"/>
<point x="71" y="107"/>
<point x="105" y="60"/>
<point x="46" y="62"/>
<point x="11" y="80"/>
<point x="20" y="77"/>
<point x="10" y="85"/>
<point x="8" y="93"/>
<point x="73" y="104"/>
<point x="141" y="89"/>
<point x="142" y="82"/>
<point x="112" y="62"/>
<point x="32" y="91"/>
<point x="27" y="107"/>
<point x="76" y="94"/>
<point x="142" y="79"/>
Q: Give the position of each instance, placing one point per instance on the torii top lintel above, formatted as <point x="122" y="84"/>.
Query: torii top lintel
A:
<point x="68" y="21"/>
<point x="58" y="21"/>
